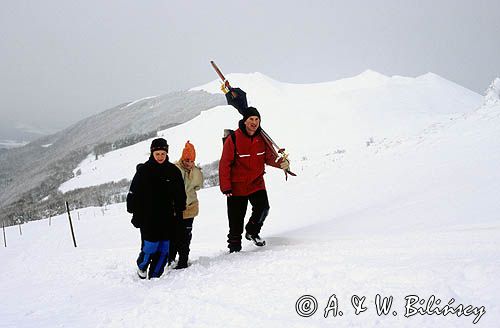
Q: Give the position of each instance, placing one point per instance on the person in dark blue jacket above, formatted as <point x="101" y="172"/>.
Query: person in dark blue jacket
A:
<point x="156" y="199"/>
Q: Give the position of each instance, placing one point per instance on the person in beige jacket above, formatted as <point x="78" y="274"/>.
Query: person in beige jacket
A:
<point x="193" y="181"/>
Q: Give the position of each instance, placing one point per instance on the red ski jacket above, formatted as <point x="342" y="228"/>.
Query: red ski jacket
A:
<point x="244" y="174"/>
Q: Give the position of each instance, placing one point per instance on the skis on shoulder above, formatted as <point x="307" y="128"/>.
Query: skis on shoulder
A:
<point x="238" y="99"/>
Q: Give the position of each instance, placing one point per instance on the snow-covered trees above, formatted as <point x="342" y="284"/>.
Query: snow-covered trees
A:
<point x="492" y="96"/>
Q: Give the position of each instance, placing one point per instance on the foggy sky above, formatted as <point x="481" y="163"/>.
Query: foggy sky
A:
<point x="62" y="60"/>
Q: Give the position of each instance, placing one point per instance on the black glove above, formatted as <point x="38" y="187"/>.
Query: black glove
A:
<point x="228" y="193"/>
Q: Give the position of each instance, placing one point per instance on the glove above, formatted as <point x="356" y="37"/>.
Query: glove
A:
<point x="285" y="164"/>
<point x="228" y="193"/>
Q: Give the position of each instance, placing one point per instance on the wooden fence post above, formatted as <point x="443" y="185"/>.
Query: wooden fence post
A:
<point x="71" y="224"/>
<point x="4" y="239"/>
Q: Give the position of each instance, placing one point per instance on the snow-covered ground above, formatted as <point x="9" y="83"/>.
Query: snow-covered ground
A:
<point x="399" y="199"/>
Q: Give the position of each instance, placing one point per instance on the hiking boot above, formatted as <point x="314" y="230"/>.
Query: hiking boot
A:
<point x="234" y="248"/>
<point x="142" y="273"/>
<point x="256" y="239"/>
<point x="181" y="265"/>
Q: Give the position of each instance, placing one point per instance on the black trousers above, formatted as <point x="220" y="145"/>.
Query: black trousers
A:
<point x="236" y="210"/>
<point x="182" y="240"/>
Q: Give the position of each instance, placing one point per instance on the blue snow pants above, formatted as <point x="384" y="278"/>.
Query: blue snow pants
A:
<point x="155" y="255"/>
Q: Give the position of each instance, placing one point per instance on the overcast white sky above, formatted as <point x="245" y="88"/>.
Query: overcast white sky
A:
<point x="63" y="60"/>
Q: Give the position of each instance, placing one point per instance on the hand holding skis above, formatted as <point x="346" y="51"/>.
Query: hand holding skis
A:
<point x="238" y="99"/>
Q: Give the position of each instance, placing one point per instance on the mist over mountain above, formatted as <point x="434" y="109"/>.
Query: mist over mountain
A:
<point x="14" y="135"/>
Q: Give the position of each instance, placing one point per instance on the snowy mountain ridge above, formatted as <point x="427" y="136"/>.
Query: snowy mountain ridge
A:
<point x="310" y="120"/>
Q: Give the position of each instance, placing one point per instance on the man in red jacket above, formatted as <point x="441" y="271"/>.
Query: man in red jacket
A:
<point x="241" y="177"/>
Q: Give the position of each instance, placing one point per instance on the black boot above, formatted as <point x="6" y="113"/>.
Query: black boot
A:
<point x="234" y="249"/>
<point x="181" y="265"/>
<point x="183" y="242"/>
<point x="256" y="239"/>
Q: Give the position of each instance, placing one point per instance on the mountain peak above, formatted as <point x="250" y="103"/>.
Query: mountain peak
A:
<point x="372" y="74"/>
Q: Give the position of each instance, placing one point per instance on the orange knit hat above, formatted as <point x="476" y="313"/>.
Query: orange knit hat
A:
<point x="188" y="153"/>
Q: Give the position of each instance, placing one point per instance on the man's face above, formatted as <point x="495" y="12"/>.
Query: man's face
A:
<point x="252" y="124"/>
<point x="160" y="156"/>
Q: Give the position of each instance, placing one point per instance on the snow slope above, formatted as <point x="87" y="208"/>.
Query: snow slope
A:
<point x="416" y="212"/>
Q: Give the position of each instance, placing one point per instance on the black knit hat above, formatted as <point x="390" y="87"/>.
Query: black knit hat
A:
<point x="159" y="144"/>
<point x="250" y="111"/>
